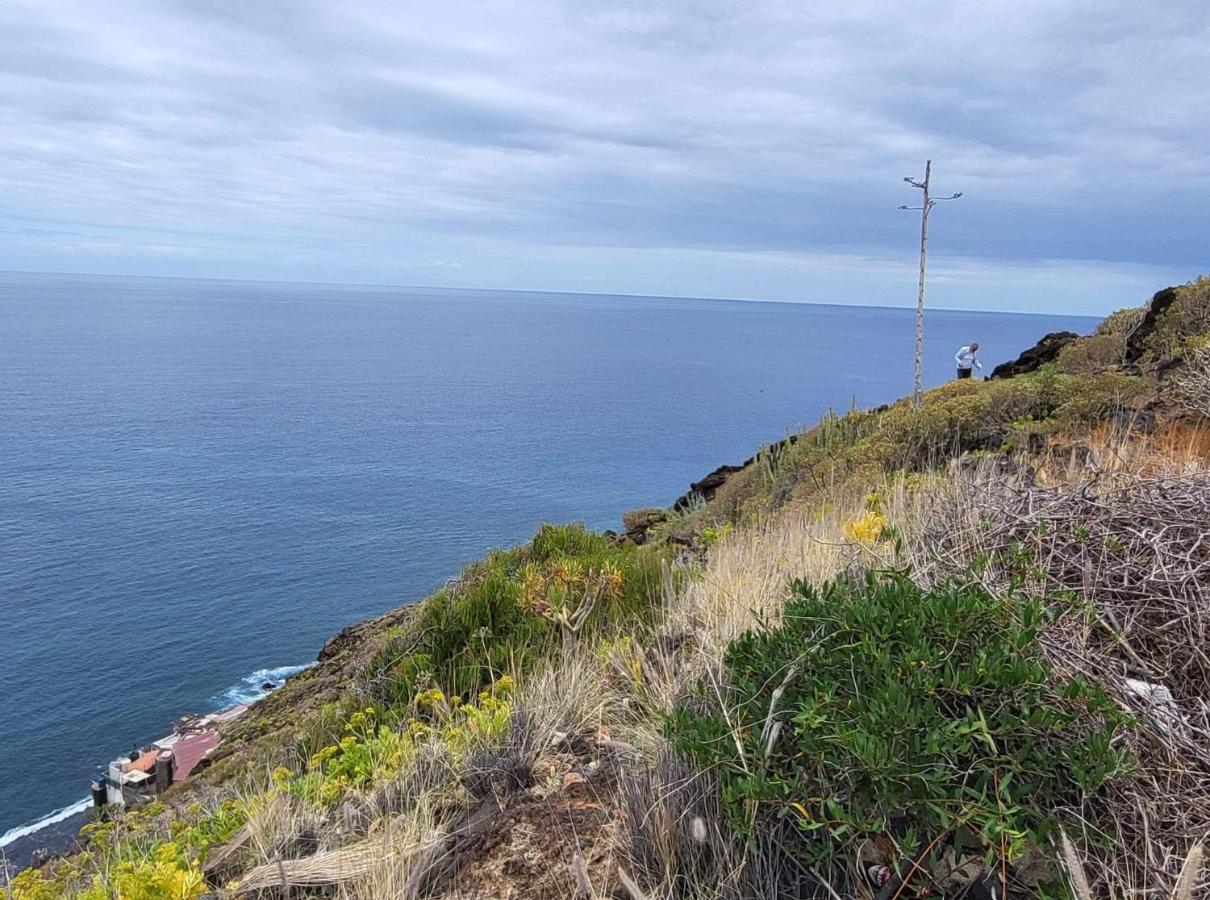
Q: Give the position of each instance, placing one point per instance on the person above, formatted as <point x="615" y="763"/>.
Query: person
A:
<point x="966" y="359"/>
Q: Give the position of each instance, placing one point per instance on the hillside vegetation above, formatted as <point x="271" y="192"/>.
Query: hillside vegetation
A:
<point x="962" y="650"/>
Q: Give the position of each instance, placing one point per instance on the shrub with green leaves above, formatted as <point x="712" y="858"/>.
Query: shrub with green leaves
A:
<point x="1121" y="322"/>
<point x="1092" y="354"/>
<point x="500" y="617"/>
<point x="958" y="417"/>
<point x="213" y="829"/>
<point x="875" y="702"/>
<point x="1187" y="319"/>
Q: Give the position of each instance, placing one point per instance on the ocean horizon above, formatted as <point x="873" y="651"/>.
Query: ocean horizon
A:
<point x="204" y="480"/>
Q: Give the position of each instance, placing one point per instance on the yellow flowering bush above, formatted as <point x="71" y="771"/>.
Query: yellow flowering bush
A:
<point x="32" y="884"/>
<point x="477" y="723"/>
<point x="165" y="874"/>
<point x="432" y="699"/>
<point x="712" y="536"/>
<point x="281" y="777"/>
<point x="372" y="750"/>
<point x="866" y="529"/>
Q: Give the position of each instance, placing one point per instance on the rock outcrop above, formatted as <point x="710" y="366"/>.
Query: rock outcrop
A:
<point x="1136" y="341"/>
<point x="1045" y="351"/>
<point x="708" y="486"/>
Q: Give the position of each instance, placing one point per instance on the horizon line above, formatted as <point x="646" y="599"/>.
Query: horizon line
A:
<point x="511" y="290"/>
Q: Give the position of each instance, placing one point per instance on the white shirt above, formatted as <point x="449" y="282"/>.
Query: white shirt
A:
<point x="965" y="358"/>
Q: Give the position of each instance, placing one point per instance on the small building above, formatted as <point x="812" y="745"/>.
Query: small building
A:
<point x="145" y="772"/>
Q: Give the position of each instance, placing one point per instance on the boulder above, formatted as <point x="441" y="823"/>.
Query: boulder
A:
<point x="1045" y="351"/>
<point x="1136" y="341"/>
<point x="707" y="487"/>
<point x="637" y="522"/>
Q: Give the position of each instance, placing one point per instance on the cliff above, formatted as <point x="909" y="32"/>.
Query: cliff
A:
<point x="950" y="651"/>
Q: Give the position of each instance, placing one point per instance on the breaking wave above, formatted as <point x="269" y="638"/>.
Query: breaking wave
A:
<point x="251" y="687"/>
<point x="46" y="821"/>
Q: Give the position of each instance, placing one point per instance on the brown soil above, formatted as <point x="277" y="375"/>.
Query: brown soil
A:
<point x="530" y="852"/>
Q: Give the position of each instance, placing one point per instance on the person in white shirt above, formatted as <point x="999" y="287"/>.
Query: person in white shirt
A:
<point x="966" y="359"/>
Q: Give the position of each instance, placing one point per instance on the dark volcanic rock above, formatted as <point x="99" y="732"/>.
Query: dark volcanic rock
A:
<point x="1043" y="352"/>
<point x="637" y="523"/>
<point x="1136" y="341"/>
<point x="707" y="487"/>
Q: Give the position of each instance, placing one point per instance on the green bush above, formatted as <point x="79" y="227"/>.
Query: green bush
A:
<point x="1186" y="319"/>
<point x="1092" y="354"/>
<point x="1087" y="401"/>
<point x="501" y="615"/>
<point x="1121" y="322"/>
<point x="956" y="418"/>
<point x="214" y="829"/>
<point x="876" y="702"/>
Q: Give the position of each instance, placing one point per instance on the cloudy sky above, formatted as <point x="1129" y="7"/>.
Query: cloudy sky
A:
<point x="719" y="149"/>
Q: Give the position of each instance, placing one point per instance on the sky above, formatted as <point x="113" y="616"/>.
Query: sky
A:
<point x="750" y="149"/>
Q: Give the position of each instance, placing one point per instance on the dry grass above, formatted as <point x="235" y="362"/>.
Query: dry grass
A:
<point x="1192" y="384"/>
<point x="1123" y="531"/>
<point x="746" y="579"/>
<point x="394" y="851"/>
<point x="1146" y="613"/>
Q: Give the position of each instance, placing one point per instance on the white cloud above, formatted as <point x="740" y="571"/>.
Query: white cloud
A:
<point x="660" y="130"/>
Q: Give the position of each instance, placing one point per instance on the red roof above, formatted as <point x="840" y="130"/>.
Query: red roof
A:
<point x="145" y="763"/>
<point x="189" y="750"/>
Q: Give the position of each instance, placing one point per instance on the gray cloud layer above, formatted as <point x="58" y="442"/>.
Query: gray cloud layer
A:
<point x="713" y="148"/>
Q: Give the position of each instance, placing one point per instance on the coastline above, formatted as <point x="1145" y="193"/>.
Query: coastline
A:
<point x="56" y="832"/>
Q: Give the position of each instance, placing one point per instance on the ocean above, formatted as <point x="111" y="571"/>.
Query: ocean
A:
<point x="201" y="481"/>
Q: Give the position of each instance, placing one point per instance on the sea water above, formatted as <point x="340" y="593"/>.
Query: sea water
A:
<point x="201" y="481"/>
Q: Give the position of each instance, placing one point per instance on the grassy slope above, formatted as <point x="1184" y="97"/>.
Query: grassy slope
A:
<point x="532" y="694"/>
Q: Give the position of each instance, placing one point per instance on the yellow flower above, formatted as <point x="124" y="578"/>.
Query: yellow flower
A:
<point x="324" y="755"/>
<point x="431" y="698"/>
<point x="281" y="776"/>
<point x="417" y="729"/>
<point x="866" y="528"/>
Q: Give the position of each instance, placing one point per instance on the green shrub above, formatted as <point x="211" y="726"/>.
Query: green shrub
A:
<point x="1087" y="401"/>
<point x="1092" y="354"/>
<point x="502" y="615"/>
<point x="875" y="701"/>
<point x="958" y="417"/>
<point x="1187" y="318"/>
<point x="1121" y="322"/>
<point x="214" y="829"/>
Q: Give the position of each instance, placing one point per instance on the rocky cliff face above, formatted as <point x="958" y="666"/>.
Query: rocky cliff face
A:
<point x="1045" y="351"/>
<point x="1137" y="340"/>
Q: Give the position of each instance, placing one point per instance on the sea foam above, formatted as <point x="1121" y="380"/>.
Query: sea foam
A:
<point x="251" y="687"/>
<point x="46" y="821"/>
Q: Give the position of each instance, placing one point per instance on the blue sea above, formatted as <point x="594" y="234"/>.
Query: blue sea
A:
<point x="201" y="481"/>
